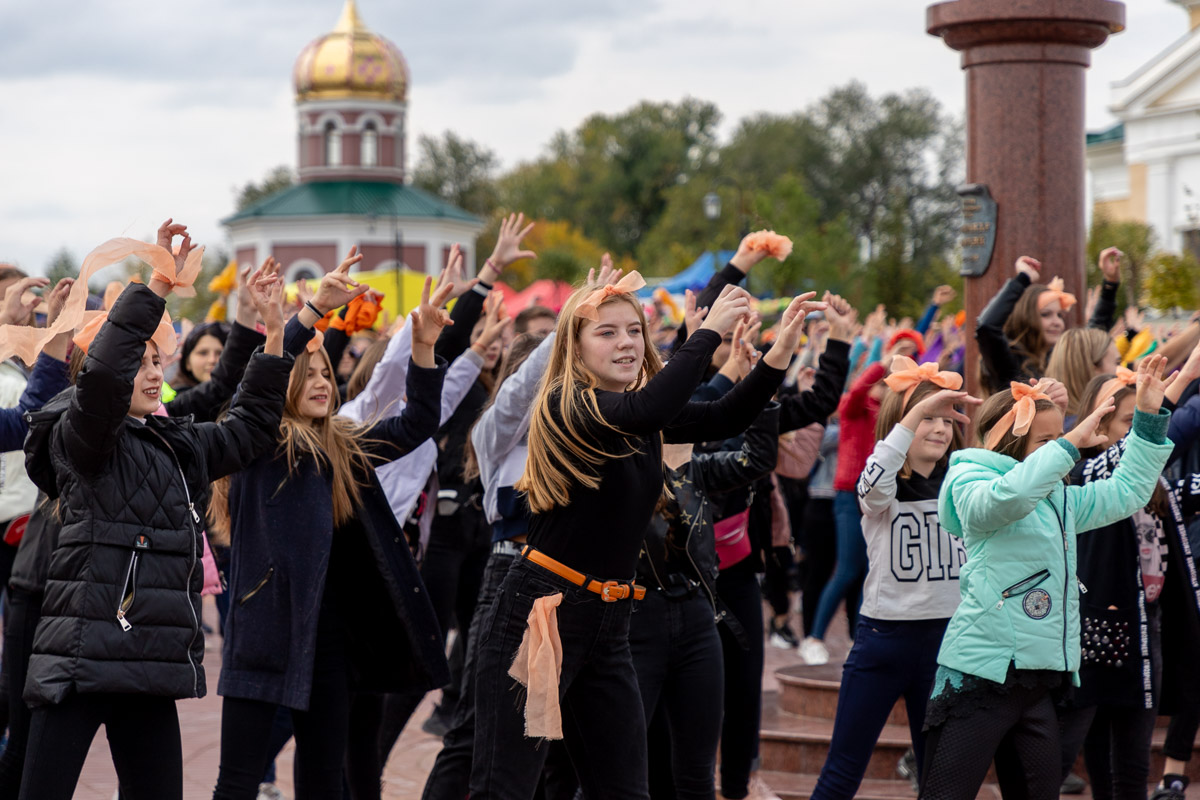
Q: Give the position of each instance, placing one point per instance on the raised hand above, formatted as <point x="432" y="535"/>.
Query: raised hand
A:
<point x="841" y="316"/>
<point x="246" y="314"/>
<point x="57" y="299"/>
<point x="495" y="320"/>
<point x="693" y="317"/>
<point x="791" y="328"/>
<point x="733" y="304"/>
<point x="264" y="292"/>
<point x="428" y="319"/>
<point x="943" y="294"/>
<point x="1110" y="264"/>
<point x="1150" y="384"/>
<point x="940" y="404"/>
<point x="742" y="355"/>
<point x="1134" y="320"/>
<point x="16" y="309"/>
<point x="453" y="274"/>
<point x="337" y="287"/>
<point x="874" y="323"/>
<point x="1189" y="372"/>
<point x="508" y="247"/>
<point x="1029" y="266"/>
<point x="608" y="275"/>
<point x="1084" y="435"/>
<point x="1056" y="390"/>
<point x="746" y="256"/>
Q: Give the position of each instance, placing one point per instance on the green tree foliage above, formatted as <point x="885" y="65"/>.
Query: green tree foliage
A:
<point x="1172" y="282"/>
<point x="459" y="171"/>
<point x="277" y="179"/>
<point x="62" y="265"/>
<point x="1135" y="239"/>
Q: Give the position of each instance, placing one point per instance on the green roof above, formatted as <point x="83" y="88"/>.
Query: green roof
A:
<point x="1114" y="134"/>
<point x="362" y="198"/>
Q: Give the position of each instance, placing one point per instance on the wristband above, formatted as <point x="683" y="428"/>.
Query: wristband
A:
<point x="487" y="262"/>
<point x="308" y="304"/>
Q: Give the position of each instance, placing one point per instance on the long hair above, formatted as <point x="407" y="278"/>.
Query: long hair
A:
<point x="892" y="410"/>
<point x="365" y="367"/>
<point x="1024" y="329"/>
<point x="1074" y="361"/>
<point x="333" y="441"/>
<point x="561" y="449"/>
<point x="518" y="351"/>
<point x="990" y="413"/>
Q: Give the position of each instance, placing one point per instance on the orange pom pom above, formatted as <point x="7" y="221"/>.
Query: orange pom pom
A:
<point x="773" y="244"/>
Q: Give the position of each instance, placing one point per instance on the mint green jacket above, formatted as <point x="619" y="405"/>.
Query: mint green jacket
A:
<point x="1018" y="521"/>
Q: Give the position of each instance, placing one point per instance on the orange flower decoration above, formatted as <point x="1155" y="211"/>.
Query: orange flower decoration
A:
<point x="1054" y="291"/>
<point x="907" y="375"/>
<point x="1021" y="415"/>
<point x="590" y="307"/>
<point x="773" y="244"/>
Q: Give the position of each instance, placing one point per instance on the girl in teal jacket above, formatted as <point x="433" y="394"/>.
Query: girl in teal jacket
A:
<point x="1015" y="636"/>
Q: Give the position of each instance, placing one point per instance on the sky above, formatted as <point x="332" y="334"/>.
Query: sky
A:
<point x="115" y="114"/>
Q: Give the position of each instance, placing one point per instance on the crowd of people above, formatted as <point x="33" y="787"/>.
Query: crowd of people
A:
<point x="598" y="501"/>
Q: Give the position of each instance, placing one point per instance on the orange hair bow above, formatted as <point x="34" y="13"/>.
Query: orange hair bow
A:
<point x="1021" y="415"/>
<point x="907" y="375"/>
<point x="1125" y="377"/>
<point x="164" y="336"/>
<point x="361" y="315"/>
<point x="590" y="307"/>
<point x="1054" y="291"/>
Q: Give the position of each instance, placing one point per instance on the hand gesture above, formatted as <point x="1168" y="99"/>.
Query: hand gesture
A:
<point x="1110" y="264"/>
<point x="1150" y="384"/>
<point x="791" y="328"/>
<point x="732" y="305"/>
<point x="1084" y="435"/>
<point x="17" y="308"/>
<point x="943" y="294"/>
<point x="1093" y="297"/>
<point x="943" y="404"/>
<point x="264" y="291"/>
<point x="746" y="257"/>
<point x="1029" y="266"/>
<point x="693" y="317"/>
<point x="429" y="318"/>
<point x="1134" y="320"/>
<point x="57" y="299"/>
<point x="875" y="321"/>
<point x="508" y="243"/>
<point x="806" y="379"/>
<point x="245" y="314"/>
<point x="742" y="355"/>
<point x="608" y="275"/>
<point x="338" y="288"/>
<point x="1054" y="389"/>
<point x="841" y="316"/>
<point x="453" y="274"/>
<point x="495" y="320"/>
<point x="1189" y="372"/>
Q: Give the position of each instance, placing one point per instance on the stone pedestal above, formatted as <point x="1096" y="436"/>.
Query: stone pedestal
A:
<point x="1025" y="62"/>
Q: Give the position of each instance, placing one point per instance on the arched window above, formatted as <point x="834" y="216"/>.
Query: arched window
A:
<point x="370" y="146"/>
<point x="333" y="145"/>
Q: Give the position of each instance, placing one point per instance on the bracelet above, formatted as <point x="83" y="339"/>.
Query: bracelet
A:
<point x="487" y="262"/>
<point x="308" y="304"/>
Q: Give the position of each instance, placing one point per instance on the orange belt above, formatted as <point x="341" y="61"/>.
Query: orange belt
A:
<point x="609" y="591"/>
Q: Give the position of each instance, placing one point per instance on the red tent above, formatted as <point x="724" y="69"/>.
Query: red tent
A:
<point x="544" y="292"/>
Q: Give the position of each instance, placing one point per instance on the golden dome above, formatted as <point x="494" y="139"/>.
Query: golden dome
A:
<point x="350" y="61"/>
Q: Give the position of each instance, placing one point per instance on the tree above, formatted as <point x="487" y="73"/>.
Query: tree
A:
<point x="62" y="265"/>
<point x="277" y="179"/>
<point x="1135" y="239"/>
<point x="459" y="171"/>
<point x="1171" y="281"/>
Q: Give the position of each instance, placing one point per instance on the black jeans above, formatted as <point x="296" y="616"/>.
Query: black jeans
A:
<point x="817" y="539"/>
<point x="321" y="732"/>
<point x="738" y="587"/>
<point x="21" y="617"/>
<point x="1117" y="752"/>
<point x="677" y="655"/>
<point x="1181" y="733"/>
<point x="143" y="737"/>
<point x="1020" y="731"/>
<point x="603" y="725"/>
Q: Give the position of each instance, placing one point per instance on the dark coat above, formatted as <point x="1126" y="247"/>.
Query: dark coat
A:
<point x="122" y="601"/>
<point x="49" y="377"/>
<point x="282" y="536"/>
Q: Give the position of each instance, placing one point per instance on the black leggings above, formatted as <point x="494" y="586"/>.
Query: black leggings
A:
<point x="1020" y="732"/>
<point x="21" y="617"/>
<point x="738" y="587"/>
<point x="143" y="737"/>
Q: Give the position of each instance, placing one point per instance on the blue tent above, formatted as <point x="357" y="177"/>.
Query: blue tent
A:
<point x="695" y="277"/>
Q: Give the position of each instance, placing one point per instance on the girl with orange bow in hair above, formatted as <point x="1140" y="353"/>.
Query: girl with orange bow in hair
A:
<point x="1140" y="601"/>
<point x="594" y="475"/>
<point x="911" y="587"/>
<point x="1013" y="642"/>
<point x="1023" y="322"/>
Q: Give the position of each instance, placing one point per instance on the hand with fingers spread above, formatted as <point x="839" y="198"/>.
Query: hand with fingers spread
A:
<point x="693" y="317"/>
<point x="943" y="404"/>
<point x="747" y="256"/>
<point x="1151" y="387"/>
<point x="166" y="234"/>
<point x="742" y="355"/>
<point x="1030" y="267"/>
<point x="18" y="308"/>
<point x="337" y="287"/>
<point x="608" y="275"/>
<point x="263" y="291"/>
<point x="428" y="319"/>
<point x="57" y="299"/>
<point x="733" y="304"/>
<point x="508" y="247"/>
<point x="1086" y="434"/>
<point x="1110" y="264"/>
<point x="791" y="329"/>
<point x="246" y="315"/>
<point x="453" y="274"/>
<point x="1189" y="372"/>
<point x="841" y="316"/>
<point x="873" y="326"/>
<point x="495" y="320"/>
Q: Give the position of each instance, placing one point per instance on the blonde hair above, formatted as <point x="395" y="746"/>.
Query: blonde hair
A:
<point x="1074" y="360"/>
<point x="892" y="410"/>
<point x="334" y="442"/>
<point x="565" y="412"/>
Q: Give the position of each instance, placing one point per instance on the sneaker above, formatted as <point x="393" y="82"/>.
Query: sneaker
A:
<point x="758" y="790"/>
<point x="437" y="725"/>
<point x="1073" y="785"/>
<point x="782" y="636"/>
<point x="813" y="652"/>
<point x="906" y="767"/>
<point x="1171" y="788"/>
<point x="269" y="791"/>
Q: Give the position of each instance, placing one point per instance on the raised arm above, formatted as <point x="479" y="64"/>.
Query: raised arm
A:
<point x="994" y="348"/>
<point x="504" y="424"/>
<point x="732" y="469"/>
<point x="1104" y="314"/>
<point x="816" y="404"/>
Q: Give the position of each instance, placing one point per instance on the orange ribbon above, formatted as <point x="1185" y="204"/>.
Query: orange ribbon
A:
<point x="1125" y="377"/>
<point x="164" y="336"/>
<point x="1021" y="415"/>
<point x="907" y="375"/>
<point x="538" y="667"/>
<point x="315" y="343"/>
<point x="1054" y="291"/>
<point x="590" y="308"/>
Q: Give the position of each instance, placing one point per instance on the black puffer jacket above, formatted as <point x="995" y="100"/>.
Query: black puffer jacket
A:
<point x="122" y="601"/>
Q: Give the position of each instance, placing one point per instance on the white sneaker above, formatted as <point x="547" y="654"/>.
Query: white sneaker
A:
<point x="269" y="791"/>
<point x="758" y="790"/>
<point x="813" y="652"/>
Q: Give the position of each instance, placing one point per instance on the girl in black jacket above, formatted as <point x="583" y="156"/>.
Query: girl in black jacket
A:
<point x="324" y="594"/>
<point x="119" y="640"/>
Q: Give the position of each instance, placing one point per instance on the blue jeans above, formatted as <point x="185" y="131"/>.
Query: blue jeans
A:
<point x="603" y="725"/>
<point x="851" y="563"/>
<point x="889" y="660"/>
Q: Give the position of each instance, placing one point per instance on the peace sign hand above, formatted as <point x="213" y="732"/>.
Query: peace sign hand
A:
<point x="337" y="287"/>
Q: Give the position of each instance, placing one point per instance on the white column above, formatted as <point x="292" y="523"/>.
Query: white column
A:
<point x="1160" y="202"/>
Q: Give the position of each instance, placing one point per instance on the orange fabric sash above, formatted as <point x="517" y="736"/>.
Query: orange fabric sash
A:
<point x="538" y="667"/>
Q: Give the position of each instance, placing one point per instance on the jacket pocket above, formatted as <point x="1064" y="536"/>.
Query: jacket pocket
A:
<point x="1022" y="586"/>
<point x="257" y="587"/>
<point x="128" y="593"/>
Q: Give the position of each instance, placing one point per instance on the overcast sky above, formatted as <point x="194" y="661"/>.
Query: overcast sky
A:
<point x="115" y="114"/>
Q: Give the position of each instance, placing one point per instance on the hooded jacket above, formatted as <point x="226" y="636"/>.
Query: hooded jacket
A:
<point x="122" y="602"/>
<point x="1018" y="522"/>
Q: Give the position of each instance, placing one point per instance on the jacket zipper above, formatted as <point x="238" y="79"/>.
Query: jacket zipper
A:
<point x="128" y="592"/>
<point x="1062" y="526"/>
<point x="191" y="560"/>
<point x="257" y="587"/>
<point x="717" y="615"/>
